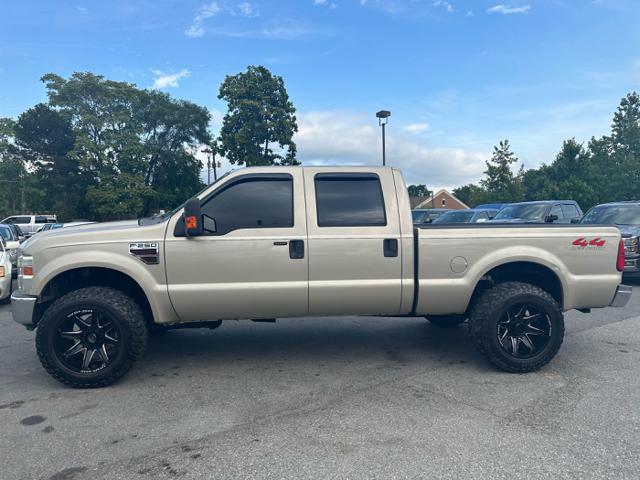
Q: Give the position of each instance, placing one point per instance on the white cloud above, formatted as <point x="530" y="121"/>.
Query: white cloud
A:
<point x="165" y="80"/>
<point x="205" y="11"/>
<point x="443" y="3"/>
<point x="327" y="3"/>
<point x="246" y="9"/>
<point x="508" y="9"/>
<point x="345" y="138"/>
<point x="416" y="128"/>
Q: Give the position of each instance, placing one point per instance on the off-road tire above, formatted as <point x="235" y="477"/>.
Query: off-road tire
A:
<point x="447" y="321"/>
<point x="121" y="308"/>
<point x="489" y="309"/>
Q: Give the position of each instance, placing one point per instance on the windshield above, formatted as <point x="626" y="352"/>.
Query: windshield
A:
<point x="528" y="211"/>
<point x="613" y="215"/>
<point x="5" y="233"/>
<point x="455" y="217"/>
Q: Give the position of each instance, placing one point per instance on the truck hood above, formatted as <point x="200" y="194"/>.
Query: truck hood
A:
<point x="629" y="230"/>
<point x="94" y="233"/>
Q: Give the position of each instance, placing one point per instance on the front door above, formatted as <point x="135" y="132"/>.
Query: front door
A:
<point x="252" y="261"/>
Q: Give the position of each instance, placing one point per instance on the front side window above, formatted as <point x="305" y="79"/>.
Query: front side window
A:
<point x="349" y="200"/>
<point x="255" y="201"/>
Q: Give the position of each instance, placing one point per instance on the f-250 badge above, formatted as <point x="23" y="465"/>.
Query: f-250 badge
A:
<point x="145" y="251"/>
<point x="582" y="242"/>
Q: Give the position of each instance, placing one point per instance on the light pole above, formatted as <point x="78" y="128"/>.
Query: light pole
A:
<point x="383" y="119"/>
<point x="211" y="162"/>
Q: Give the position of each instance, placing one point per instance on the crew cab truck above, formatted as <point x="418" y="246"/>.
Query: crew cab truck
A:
<point x="270" y="242"/>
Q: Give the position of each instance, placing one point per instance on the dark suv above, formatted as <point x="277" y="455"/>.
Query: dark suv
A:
<point x="545" y="211"/>
<point x="626" y="216"/>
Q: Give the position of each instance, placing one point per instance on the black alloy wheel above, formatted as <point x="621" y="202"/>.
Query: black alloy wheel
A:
<point x="524" y="330"/>
<point x="87" y="340"/>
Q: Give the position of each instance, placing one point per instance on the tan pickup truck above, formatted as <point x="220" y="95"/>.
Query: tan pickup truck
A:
<point x="272" y="242"/>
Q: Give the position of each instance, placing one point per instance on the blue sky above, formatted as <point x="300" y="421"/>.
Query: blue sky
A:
<point x="457" y="75"/>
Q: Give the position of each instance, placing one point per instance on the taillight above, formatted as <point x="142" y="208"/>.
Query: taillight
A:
<point x="620" y="260"/>
<point x="2" y="272"/>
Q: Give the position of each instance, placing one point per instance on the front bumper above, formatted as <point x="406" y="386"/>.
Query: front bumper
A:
<point x="22" y="307"/>
<point x="622" y="296"/>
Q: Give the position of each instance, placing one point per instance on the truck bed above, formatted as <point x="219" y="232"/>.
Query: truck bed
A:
<point x="451" y="261"/>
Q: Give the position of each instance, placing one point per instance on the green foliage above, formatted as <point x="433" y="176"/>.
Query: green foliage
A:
<point x="500" y="183"/>
<point x="418" y="191"/>
<point x="260" y="113"/>
<point x="472" y="195"/>
<point x="104" y="150"/>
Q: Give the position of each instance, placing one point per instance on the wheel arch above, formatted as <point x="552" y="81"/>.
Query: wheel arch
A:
<point x="526" y="271"/>
<point x="78" y="277"/>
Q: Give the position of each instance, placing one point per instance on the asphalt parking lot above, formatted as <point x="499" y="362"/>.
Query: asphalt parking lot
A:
<point x="353" y="397"/>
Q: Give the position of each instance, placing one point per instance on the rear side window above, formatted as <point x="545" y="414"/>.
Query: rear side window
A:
<point x="349" y="200"/>
<point x="570" y="211"/>
<point x="22" y="220"/>
<point x="264" y="201"/>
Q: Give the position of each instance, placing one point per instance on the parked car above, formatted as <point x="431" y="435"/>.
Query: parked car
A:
<point x="11" y="243"/>
<point x="471" y="215"/>
<point x="545" y="211"/>
<point x="17" y="231"/>
<point x="491" y="206"/>
<point x="423" y="216"/>
<point x="54" y="226"/>
<point x="269" y="242"/>
<point x="6" y="270"/>
<point x="626" y="216"/>
<point x="30" y="224"/>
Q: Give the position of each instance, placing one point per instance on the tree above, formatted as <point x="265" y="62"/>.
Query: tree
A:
<point x="12" y="172"/>
<point x="46" y="137"/>
<point x="134" y="149"/>
<point x="472" y="195"/>
<point x="259" y="114"/>
<point x="500" y="183"/>
<point x="418" y="191"/>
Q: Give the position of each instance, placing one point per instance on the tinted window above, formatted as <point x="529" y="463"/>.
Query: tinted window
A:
<point x="525" y="211"/>
<point x="19" y="220"/>
<point x="6" y="233"/>
<point x="557" y="211"/>
<point x="612" y="215"/>
<point x="41" y="219"/>
<point x="349" y="200"/>
<point x="252" y="202"/>
<point x="570" y="211"/>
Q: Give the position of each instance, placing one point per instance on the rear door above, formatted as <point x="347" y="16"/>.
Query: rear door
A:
<point x="354" y="241"/>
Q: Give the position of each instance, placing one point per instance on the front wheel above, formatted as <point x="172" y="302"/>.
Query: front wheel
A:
<point x="91" y="337"/>
<point x="517" y="326"/>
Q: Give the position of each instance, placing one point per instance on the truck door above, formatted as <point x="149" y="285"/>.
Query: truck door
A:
<point x="253" y="263"/>
<point x="354" y="242"/>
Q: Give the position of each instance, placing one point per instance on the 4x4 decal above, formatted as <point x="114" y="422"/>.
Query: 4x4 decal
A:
<point x="582" y="242"/>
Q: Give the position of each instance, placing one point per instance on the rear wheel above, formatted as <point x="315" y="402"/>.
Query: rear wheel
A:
<point x="517" y="326"/>
<point x="91" y="337"/>
<point x="446" y="321"/>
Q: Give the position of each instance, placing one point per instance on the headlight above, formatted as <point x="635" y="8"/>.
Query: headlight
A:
<point x="630" y="244"/>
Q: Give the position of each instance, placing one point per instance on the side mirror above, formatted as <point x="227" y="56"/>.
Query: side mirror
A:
<point x="192" y="218"/>
<point x="575" y="220"/>
<point x="551" y="218"/>
<point x="12" y="245"/>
